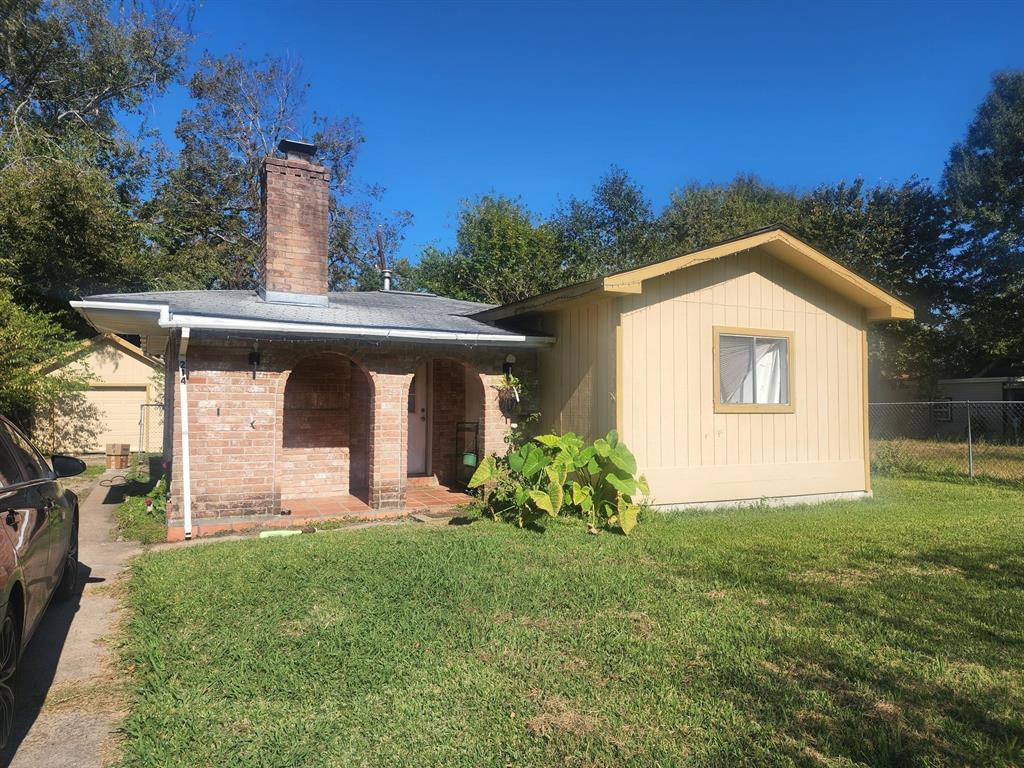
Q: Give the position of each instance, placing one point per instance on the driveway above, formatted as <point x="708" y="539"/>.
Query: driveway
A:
<point x="70" y="699"/>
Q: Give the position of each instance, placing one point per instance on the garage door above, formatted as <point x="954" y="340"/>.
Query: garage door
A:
<point x="118" y="414"/>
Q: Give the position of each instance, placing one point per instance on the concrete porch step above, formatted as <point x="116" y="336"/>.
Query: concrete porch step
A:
<point x="422" y="481"/>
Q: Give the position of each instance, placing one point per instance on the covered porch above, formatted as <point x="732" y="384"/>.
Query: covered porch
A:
<point x="335" y="431"/>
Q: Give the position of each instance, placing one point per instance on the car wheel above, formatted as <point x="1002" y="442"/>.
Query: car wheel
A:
<point x="69" y="576"/>
<point x="9" y="647"/>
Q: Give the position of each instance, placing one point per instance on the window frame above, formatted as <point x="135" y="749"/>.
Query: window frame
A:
<point x="762" y="333"/>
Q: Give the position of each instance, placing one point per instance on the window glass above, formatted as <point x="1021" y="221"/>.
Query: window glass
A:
<point x="35" y="468"/>
<point x="10" y="470"/>
<point x="753" y="370"/>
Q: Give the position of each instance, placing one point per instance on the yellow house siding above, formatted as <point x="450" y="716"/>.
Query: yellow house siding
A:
<point x="120" y="382"/>
<point x="577" y="373"/>
<point x="692" y="454"/>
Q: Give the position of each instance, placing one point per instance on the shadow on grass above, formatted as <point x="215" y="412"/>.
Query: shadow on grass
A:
<point x="934" y="604"/>
<point x="134" y="483"/>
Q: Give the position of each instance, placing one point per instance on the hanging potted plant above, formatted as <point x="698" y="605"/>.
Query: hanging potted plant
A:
<point x="510" y="390"/>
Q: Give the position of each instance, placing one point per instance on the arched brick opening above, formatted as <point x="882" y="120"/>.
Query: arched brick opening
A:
<point x="458" y="397"/>
<point x="325" y="449"/>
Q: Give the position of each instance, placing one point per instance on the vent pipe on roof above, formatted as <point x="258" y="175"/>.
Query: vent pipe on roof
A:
<point x="383" y="259"/>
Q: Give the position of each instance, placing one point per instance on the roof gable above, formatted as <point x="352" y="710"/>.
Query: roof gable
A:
<point x="878" y="304"/>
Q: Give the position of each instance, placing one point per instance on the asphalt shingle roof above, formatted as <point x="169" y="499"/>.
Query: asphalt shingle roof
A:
<point x="377" y="309"/>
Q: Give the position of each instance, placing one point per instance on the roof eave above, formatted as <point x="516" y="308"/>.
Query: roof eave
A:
<point x="146" y="318"/>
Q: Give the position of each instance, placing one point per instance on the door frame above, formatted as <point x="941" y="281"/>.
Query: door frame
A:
<point x="428" y="427"/>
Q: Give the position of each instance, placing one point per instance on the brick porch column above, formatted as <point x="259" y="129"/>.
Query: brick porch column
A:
<point x="390" y="424"/>
<point x="494" y="425"/>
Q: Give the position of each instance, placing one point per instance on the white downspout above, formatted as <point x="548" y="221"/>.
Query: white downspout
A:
<point x="186" y="475"/>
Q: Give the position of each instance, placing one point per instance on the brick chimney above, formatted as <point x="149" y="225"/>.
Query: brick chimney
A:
<point x="294" y="198"/>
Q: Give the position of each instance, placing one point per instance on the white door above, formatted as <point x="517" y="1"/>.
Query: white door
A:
<point x="417" y="459"/>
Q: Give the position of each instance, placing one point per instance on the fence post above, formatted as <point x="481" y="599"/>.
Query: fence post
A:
<point x="970" y="443"/>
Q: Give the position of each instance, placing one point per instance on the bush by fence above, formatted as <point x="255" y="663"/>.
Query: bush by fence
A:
<point x="952" y="438"/>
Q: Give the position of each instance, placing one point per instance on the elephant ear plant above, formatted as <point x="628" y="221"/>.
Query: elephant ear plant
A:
<point x="562" y="475"/>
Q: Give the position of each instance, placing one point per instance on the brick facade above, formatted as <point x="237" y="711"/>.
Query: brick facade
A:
<point x="293" y="256"/>
<point x="318" y="418"/>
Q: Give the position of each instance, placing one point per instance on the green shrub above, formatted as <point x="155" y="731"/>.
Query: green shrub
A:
<point x="562" y="475"/>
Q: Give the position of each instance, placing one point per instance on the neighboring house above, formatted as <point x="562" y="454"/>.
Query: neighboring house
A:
<point x="734" y="373"/>
<point x="122" y="379"/>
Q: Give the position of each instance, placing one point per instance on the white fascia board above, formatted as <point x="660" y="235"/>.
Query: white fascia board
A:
<point x="203" y="322"/>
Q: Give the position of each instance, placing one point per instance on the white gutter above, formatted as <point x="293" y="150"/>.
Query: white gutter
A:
<point x="205" y="322"/>
<point x="186" y="475"/>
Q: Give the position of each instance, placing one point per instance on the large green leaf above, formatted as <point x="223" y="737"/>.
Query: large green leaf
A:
<point x="627" y="514"/>
<point x="557" y="495"/>
<point x="549" y="440"/>
<point x="641" y="483"/>
<point x="602" y="447"/>
<point x="543" y="501"/>
<point x="624" y="485"/>
<point x="535" y="461"/>
<point x="621" y="457"/>
<point x="516" y="460"/>
<point x="613" y="438"/>
<point x="486" y="471"/>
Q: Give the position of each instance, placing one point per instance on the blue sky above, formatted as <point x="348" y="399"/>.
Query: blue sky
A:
<point x="538" y="100"/>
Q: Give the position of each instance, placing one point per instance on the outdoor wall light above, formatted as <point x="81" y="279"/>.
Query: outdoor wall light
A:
<point x="254" y="361"/>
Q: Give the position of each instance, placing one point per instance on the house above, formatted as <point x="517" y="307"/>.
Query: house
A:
<point x="120" y="405"/>
<point x="734" y="373"/>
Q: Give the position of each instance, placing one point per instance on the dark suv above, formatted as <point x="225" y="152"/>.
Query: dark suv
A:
<point x="38" y="549"/>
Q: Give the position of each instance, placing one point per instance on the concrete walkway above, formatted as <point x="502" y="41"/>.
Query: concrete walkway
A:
<point x="70" y="699"/>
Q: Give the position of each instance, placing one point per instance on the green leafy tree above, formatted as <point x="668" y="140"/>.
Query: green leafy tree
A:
<point x="70" y="176"/>
<point x="28" y="341"/>
<point x="701" y="215"/>
<point x="984" y="180"/>
<point x="204" y="216"/>
<point x="897" y="236"/>
<point x="500" y="255"/>
<point x="613" y="230"/>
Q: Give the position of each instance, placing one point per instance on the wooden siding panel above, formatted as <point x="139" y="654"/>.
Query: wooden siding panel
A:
<point x="693" y="454"/>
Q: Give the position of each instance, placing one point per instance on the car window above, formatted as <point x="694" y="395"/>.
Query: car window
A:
<point x="34" y="466"/>
<point x="10" y="470"/>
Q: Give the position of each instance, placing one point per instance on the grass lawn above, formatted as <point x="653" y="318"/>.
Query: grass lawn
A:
<point x="938" y="458"/>
<point x="886" y="632"/>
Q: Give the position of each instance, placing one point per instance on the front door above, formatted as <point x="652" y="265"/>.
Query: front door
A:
<point x="418" y="389"/>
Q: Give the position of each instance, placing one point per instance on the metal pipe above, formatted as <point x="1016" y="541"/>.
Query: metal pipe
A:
<point x="186" y="474"/>
<point x="970" y="443"/>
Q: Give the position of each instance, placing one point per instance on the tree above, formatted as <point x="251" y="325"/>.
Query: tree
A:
<point x="69" y="175"/>
<point x="701" y="215"/>
<point x="29" y="340"/>
<point x="500" y="255"/>
<point x="205" y="214"/>
<point x="896" y="236"/>
<point x="983" y="180"/>
<point x="613" y="230"/>
<point x="70" y="68"/>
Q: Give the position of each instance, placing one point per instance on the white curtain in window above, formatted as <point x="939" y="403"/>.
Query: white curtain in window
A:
<point x="736" y="369"/>
<point x="772" y="375"/>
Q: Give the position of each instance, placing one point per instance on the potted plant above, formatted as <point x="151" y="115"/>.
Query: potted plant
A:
<point x="510" y="390"/>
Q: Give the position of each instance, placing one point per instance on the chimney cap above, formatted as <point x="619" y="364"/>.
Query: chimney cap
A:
<point x="297" y="150"/>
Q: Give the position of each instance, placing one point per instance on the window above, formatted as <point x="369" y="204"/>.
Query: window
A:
<point x="32" y="463"/>
<point x="753" y="371"/>
<point x="10" y="470"/>
<point x="942" y="410"/>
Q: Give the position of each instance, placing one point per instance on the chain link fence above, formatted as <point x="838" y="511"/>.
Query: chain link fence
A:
<point x="949" y="438"/>
<point x="151" y="429"/>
